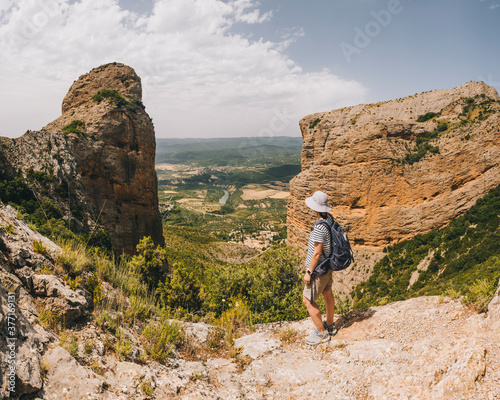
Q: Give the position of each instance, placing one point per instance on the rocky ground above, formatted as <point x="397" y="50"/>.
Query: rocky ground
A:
<point x="423" y="348"/>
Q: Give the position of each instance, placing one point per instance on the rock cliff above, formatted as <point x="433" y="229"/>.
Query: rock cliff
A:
<point x="97" y="159"/>
<point x="397" y="168"/>
<point x="423" y="348"/>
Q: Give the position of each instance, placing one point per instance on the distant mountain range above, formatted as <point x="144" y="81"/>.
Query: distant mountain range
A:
<point x="229" y="151"/>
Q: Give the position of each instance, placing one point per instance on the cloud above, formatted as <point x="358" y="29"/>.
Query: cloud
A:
<point x="493" y="6"/>
<point x="199" y="78"/>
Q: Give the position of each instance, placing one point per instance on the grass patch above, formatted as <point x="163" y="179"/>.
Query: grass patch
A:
<point x="49" y="319"/>
<point x="9" y="228"/>
<point x="288" y="335"/>
<point x="39" y="248"/>
<point x="69" y="343"/>
<point x="76" y="126"/>
<point x="162" y="338"/>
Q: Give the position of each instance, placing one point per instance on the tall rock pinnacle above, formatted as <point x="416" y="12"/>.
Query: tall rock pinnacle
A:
<point x="101" y="151"/>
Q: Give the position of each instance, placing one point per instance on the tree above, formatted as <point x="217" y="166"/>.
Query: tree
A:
<point x="150" y="262"/>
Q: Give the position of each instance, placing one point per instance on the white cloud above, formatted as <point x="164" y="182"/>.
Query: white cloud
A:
<point x="493" y="6"/>
<point x="199" y="79"/>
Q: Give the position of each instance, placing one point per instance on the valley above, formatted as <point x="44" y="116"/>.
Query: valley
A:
<point x="237" y="195"/>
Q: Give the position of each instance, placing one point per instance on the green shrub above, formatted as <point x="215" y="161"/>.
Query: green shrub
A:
<point x="118" y="99"/>
<point x="422" y="147"/>
<point x="149" y="262"/>
<point x="9" y="228"/>
<point x="480" y="294"/>
<point x="442" y="126"/>
<point x="49" y="318"/>
<point x="427" y="116"/>
<point x="39" y="248"/>
<point x="72" y="283"/>
<point x="147" y="388"/>
<point x="88" y="346"/>
<point x="74" y="127"/>
<point x="314" y="123"/>
<point x="162" y="338"/>
<point x="182" y="289"/>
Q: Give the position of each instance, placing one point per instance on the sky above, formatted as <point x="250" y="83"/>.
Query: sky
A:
<point x="234" y="68"/>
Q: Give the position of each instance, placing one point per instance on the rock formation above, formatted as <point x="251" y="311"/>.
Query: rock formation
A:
<point x="398" y="168"/>
<point x="99" y="157"/>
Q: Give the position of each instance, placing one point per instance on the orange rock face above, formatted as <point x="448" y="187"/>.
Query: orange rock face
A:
<point x="389" y="174"/>
<point x="101" y="153"/>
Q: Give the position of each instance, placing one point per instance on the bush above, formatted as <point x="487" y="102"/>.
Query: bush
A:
<point x="269" y="284"/>
<point x="74" y="127"/>
<point x="150" y="262"/>
<point x="314" y="123"/>
<point x="49" y="318"/>
<point x="182" y="290"/>
<point x="162" y="339"/>
<point x="427" y="116"/>
<point x="442" y="126"/>
<point x="479" y="295"/>
<point x="39" y="248"/>
<point x="75" y="257"/>
<point x="118" y="99"/>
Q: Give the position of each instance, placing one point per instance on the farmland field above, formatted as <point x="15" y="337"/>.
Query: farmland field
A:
<point x="227" y="189"/>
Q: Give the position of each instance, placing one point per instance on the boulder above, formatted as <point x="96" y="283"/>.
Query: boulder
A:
<point x="66" y="380"/>
<point x="66" y="303"/>
<point x="20" y="349"/>
<point x="257" y="344"/>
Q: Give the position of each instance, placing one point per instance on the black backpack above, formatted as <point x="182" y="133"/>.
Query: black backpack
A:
<point x="341" y="255"/>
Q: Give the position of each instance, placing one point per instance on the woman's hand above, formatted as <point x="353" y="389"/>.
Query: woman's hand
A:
<point x="318" y="248"/>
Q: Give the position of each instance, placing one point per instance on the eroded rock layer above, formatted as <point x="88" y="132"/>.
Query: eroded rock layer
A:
<point x="399" y="168"/>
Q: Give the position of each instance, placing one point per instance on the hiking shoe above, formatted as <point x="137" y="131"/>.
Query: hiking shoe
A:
<point x="318" y="338"/>
<point x="332" y="329"/>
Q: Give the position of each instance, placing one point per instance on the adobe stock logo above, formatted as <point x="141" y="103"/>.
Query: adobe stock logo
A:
<point x="373" y="28"/>
<point x="30" y="26"/>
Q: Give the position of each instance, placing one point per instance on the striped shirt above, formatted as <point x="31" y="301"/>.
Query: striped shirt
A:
<point x="320" y="234"/>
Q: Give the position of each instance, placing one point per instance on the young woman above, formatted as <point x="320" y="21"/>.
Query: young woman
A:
<point x="319" y="248"/>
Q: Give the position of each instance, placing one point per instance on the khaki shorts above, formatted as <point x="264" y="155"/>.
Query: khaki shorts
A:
<point x="319" y="285"/>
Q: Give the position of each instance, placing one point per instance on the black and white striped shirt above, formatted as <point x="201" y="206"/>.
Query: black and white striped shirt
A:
<point x="319" y="234"/>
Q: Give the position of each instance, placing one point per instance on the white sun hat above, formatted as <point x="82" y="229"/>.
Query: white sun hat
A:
<point x="318" y="202"/>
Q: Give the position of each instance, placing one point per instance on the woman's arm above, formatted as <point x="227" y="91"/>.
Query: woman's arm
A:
<point x="318" y="248"/>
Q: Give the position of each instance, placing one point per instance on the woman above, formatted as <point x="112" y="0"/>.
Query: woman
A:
<point x="319" y="248"/>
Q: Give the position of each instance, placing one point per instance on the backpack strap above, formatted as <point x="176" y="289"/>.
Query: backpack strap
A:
<point x="328" y="228"/>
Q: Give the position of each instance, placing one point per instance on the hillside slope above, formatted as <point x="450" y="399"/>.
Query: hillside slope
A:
<point x="423" y="348"/>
